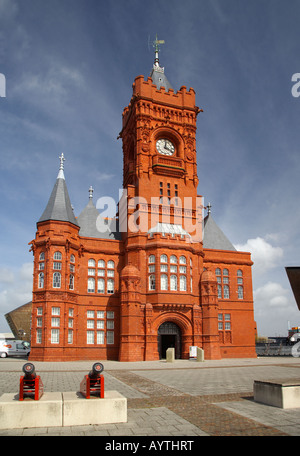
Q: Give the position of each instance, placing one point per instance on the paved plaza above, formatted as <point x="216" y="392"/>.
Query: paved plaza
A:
<point x="184" y="398"/>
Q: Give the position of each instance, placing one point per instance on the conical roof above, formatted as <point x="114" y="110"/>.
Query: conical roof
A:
<point x="159" y="78"/>
<point x="93" y="225"/>
<point x="213" y="236"/>
<point x="59" y="206"/>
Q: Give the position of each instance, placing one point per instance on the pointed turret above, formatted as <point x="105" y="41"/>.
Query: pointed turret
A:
<point x="59" y="206"/>
<point x="213" y="236"/>
<point x="158" y="73"/>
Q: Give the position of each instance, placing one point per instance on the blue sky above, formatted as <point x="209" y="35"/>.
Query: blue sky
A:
<point x="69" y="66"/>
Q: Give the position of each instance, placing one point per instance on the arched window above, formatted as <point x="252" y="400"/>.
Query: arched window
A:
<point x="57" y="256"/>
<point x="163" y="282"/>
<point x="110" y="264"/>
<point x="173" y="283"/>
<point x="91" y="285"/>
<point x="71" y="282"/>
<point x="219" y="291"/>
<point x="163" y="259"/>
<point x="173" y="259"/>
<point x="41" y="280"/>
<point x="72" y="258"/>
<point x="226" y="292"/>
<point x="91" y="263"/>
<point x="42" y="256"/>
<point x="151" y="259"/>
<point x="101" y="286"/>
<point x="240" y="292"/>
<point x="110" y="286"/>
<point x="182" y="283"/>
<point x="182" y="260"/>
<point x="152" y="282"/>
<point x="101" y="264"/>
<point x="239" y="273"/>
<point x="56" y="280"/>
<point x="218" y="272"/>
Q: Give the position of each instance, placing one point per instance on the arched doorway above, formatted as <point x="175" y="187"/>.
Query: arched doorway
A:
<point x="169" y="335"/>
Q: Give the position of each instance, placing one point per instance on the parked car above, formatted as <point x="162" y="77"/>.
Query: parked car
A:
<point x="14" y="348"/>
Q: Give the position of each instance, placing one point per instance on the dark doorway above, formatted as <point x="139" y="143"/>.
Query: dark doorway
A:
<point x="169" y="335"/>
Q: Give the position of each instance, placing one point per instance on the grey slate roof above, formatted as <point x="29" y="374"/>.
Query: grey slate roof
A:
<point x="213" y="236"/>
<point x="93" y="225"/>
<point x="160" y="79"/>
<point x="59" y="205"/>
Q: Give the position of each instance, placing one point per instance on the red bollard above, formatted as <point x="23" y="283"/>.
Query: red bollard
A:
<point x="93" y="383"/>
<point x="31" y="384"/>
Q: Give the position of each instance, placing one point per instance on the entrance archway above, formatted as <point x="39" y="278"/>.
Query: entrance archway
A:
<point x="169" y="335"/>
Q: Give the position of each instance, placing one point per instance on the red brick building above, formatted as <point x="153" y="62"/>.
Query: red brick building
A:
<point x="126" y="289"/>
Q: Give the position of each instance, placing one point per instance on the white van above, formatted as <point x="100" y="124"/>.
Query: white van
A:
<point x="14" y="348"/>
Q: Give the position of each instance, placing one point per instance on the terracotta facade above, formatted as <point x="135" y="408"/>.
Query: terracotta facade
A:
<point x="130" y="296"/>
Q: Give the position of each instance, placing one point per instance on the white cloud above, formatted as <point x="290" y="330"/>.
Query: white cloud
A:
<point x="263" y="254"/>
<point x="14" y="292"/>
<point x="274" y="307"/>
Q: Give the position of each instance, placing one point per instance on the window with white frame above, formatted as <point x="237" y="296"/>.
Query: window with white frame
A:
<point x="173" y="282"/>
<point x="57" y="256"/>
<point x="152" y="282"/>
<point x="163" y="282"/>
<point x="41" y="280"/>
<point x="71" y="282"/>
<point x="38" y="336"/>
<point x="151" y="259"/>
<point x="110" y="286"/>
<point x="55" y="311"/>
<point x="56" y="280"/>
<point x="54" y="336"/>
<point x="91" y="285"/>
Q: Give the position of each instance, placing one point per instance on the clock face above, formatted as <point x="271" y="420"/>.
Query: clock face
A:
<point x="165" y="146"/>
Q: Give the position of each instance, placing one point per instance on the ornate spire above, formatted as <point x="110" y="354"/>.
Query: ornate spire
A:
<point x="156" y="44"/>
<point x="91" y="191"/>
<point x="208" y="207"/>
<point x="61" y="167"/>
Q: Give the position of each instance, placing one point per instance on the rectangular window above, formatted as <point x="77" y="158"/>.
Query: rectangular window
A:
<point x="101" y="272"/>
<point x="110" y="324"/>
<point x="220" y="326"/>
<point x="90" y="337"/>
<point x="100" y="324"/>
<point x="227" y="325"/>
<point x="54" y="336"/>
<point x="55" y="311"/>
<point x="110" y="337"/>
<point x="55" y="321"/>
<point x="227" y="317"/>
<point x="71" y="312"/>
<point x="91" y="272"/>
<point x="110" y="273"/>
<point x="90" y="314"/>
<point x="110" y="314"/>
<point x="90" y="324"/>
<point x="100" y="337"/>
<point x="70" y="323"/>
<point x="57" y="265"/>
<point x="39" y="321"/>
<point x="100" y="313"/>
<point x="39" y="311"/>
<point x="70" y="336"/>
<point x="38" y="336"/>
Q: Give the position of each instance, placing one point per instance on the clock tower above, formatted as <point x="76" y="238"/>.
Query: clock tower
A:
<point x="164" y="222"/>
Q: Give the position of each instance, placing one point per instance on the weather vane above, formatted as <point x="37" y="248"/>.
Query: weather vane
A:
<point x="156" y="44"/>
